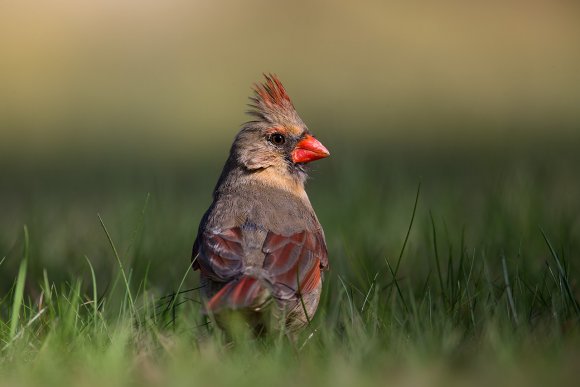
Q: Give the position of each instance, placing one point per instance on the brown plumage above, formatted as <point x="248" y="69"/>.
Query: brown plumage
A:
<point x="260" y="248"/>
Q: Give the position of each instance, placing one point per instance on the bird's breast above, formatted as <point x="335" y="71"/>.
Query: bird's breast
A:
<point x="257" y="211"/>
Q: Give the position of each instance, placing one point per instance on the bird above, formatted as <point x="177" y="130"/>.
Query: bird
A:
<point x="260" y="248"/>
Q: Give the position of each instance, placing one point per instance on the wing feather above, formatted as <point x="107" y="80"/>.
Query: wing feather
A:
<point x="292" y="265"/>
<point x="220" y="254"/>
<point x="294" y="262"/>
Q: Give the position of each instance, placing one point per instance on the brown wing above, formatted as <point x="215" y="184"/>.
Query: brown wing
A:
<point x="219" y="254"/>
<point x="294" y="262"/>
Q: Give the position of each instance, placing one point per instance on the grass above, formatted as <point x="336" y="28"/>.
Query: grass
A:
<point x="469" y="277"/>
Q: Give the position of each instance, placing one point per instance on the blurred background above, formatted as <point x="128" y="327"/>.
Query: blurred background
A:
<point x="128" y="108"/>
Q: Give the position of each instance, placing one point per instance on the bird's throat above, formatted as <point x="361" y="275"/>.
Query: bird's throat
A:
<point x="282" y="180"/>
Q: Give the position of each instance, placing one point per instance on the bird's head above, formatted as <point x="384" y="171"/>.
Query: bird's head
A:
<point x="276" y="139"/>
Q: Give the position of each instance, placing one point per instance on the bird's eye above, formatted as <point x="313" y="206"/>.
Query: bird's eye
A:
<point x="277" y="139"/>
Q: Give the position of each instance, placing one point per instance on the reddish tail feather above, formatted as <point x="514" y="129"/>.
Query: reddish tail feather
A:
<point x="245" y="292"/>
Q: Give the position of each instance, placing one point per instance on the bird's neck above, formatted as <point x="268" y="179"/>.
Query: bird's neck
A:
<point x="268" y="177"/>
<point x="281" y="180"/>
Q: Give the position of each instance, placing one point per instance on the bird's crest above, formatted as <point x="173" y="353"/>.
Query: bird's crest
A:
<point x="270" y="98"/>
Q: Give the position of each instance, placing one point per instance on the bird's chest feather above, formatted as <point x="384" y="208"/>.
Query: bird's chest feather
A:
<point x="257" y="212"/>
<point x="263" y="208"/>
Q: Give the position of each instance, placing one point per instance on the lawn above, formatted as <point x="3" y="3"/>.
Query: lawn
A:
<point x="449" y="266"/>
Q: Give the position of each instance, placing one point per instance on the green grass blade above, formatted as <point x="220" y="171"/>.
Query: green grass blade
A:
<point x="563" y="276"/>
<point x="19" y="291"/>
<point x="509" y="291"/>
<point x="405" y="241"/>
<point x="409" y="228"/>
<point x="350" y="302"/>
<point x="436" y="250"/>
<point x="95" y="296"/>
<point x="120" y="263"/>
<point x="397" y="285"/>
<point x="171" y="306"/>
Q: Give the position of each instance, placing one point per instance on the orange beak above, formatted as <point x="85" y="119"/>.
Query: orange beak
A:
<point x="309" y="149"/>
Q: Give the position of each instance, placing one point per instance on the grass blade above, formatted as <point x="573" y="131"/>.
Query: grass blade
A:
<point x="408" y="229"/>
<point x="172" y="305"/>
<point x="509" y="291"/>
<point x="19" y="291"/>
<point x="120" y="263"/>
<point x="563" y="275"/>
<point x="405" y="241"/>
<point x="397" y="285"/>
<point x="95" y="296"/>
<point x="434" y="232"/>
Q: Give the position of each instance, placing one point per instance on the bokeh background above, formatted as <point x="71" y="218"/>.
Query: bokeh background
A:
<point x="128" y="108"/>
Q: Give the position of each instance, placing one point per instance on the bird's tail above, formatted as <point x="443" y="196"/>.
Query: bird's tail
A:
<point x="246" y="292"/>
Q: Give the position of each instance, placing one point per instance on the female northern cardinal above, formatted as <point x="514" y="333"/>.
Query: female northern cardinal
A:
<point x="260" y="240"/>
